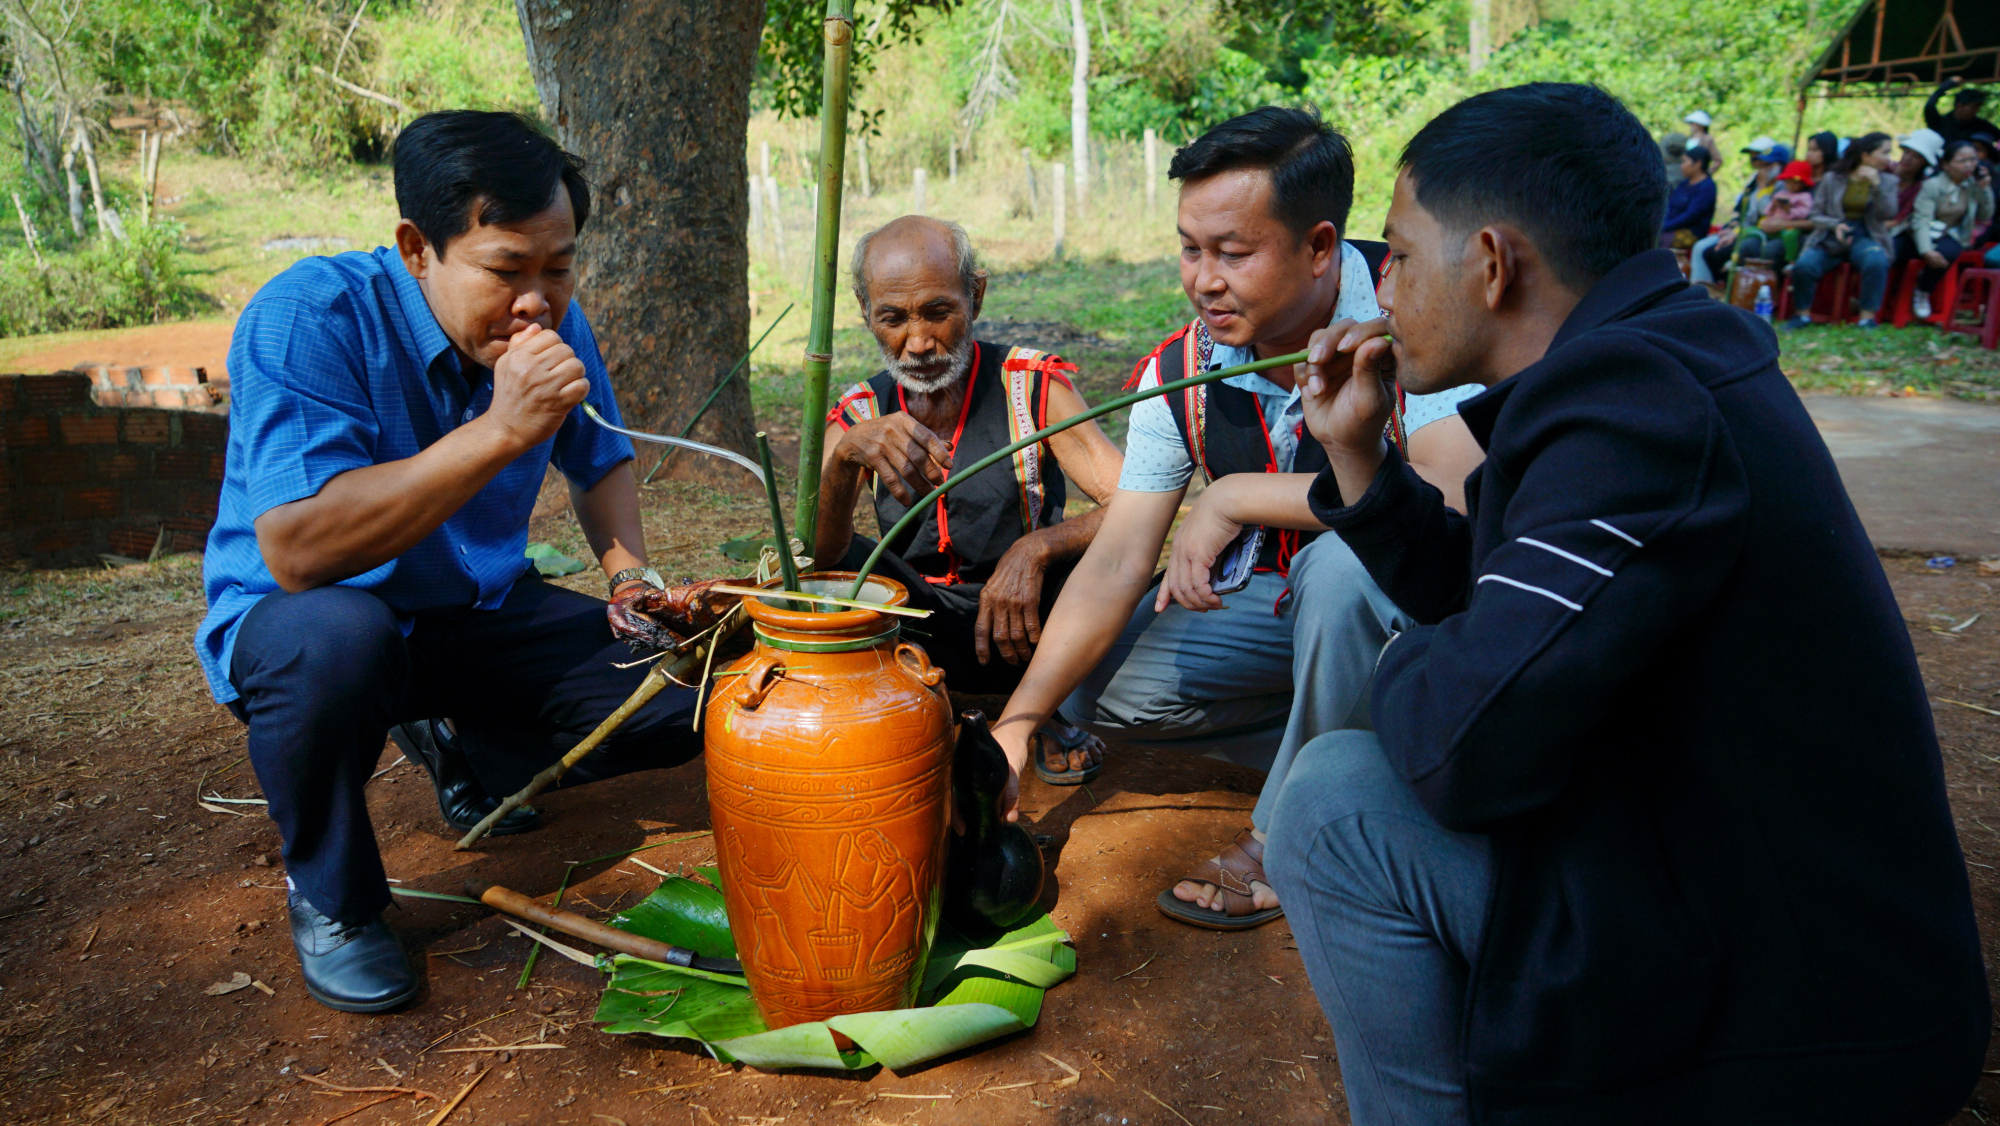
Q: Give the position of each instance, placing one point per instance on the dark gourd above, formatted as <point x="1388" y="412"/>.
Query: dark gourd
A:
<point x="994" y="876"/>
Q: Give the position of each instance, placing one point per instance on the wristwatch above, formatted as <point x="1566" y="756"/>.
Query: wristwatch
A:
<point x="651" y="577"/>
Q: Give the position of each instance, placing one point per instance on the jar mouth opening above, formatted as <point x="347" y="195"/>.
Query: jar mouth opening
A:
<point x="803" y="617"/>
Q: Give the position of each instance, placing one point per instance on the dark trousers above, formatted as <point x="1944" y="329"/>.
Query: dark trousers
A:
<point x="325" y="673"/>
<point x="1929" y="276"/>
<point x="947" y="635"/>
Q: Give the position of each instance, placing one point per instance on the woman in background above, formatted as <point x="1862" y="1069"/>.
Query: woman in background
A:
<point x="1852" y="208"/>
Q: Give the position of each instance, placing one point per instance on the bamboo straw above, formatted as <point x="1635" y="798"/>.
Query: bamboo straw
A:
<point x="648" y="688"/>
<point x="783" y="542"/>
<point x="922" y="507"/>
<point x="710" y="401"/>
<point x="839" y="32"/>
<point x="826" y="600"/>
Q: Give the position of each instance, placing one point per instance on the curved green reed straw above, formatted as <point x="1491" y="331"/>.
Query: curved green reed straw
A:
<point x="1121" y="402"/>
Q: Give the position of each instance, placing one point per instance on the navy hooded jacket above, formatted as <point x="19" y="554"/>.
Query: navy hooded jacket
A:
<point x="1662" y="667"/>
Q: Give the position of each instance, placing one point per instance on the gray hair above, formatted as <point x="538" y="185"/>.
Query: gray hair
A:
<point x="969" y="271"/>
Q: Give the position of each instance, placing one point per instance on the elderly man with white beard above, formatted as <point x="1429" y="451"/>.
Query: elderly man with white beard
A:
<point x="991" y="558"/>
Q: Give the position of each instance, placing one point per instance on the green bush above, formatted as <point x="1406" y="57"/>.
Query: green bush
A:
<point x="101" y="285"/>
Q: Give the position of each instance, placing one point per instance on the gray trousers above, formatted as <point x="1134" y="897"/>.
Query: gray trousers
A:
<point x="1388" y="909"/>
<point x="1253" y="681"/>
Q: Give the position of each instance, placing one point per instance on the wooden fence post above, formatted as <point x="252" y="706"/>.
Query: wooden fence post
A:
<point x="954" y="162"/>
<point x="1056" y="178"/>
<point x="756" y="186"/>
<point x="1152" y="172"/>
<point x="771" y="208"/>
<point x="1034" y="196"/>
<point x="922" y="179"/>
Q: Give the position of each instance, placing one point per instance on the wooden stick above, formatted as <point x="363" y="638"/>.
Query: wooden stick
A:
<point x="648" y="688"/>
<point x="467" y="1089"/>
<point x="796" y="596"/>
<point x="590" y="930"/>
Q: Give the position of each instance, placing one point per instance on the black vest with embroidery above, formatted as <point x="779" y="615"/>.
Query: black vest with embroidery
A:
<point x="967" y="532"/>
<point x="1224" y="427"/>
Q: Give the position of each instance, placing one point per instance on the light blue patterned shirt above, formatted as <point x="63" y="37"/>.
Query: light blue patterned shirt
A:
<point x="338" y="364"/>
<point x="1156" y="459"/>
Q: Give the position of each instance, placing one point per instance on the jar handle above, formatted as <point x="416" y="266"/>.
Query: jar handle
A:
<point x="758" y="680"/>
<point x="928" y="673"/>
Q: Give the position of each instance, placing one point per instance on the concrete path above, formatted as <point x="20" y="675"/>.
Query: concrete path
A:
<point x="1924" y="473"/>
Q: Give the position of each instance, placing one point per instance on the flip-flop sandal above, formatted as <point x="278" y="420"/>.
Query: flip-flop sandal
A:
<point x="1065" y="777"/>
<point x="1239" y="864"/>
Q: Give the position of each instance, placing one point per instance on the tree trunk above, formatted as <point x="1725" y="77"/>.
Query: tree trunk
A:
<point x="1079" y="102"/>
<point x="655" y="96"/>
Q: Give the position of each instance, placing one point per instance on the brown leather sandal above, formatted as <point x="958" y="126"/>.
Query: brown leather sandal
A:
<point x="1232" y="872"/>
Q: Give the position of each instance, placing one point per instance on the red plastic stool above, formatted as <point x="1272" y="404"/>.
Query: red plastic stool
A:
<point x="1840" y="303"/>
<point x="1979" y="291"/>
<point x="1944" y="299"/>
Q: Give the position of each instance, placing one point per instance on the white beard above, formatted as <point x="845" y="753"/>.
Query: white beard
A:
<point x="922" y="384"/>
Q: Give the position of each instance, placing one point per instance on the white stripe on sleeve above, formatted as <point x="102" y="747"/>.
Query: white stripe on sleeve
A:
<point x="1549" y="594"/>
<point x="1619" y="534"/>
<point x="1554" y="550"/>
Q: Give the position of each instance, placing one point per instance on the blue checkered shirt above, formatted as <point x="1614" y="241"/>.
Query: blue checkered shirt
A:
<point x="338" y="364"/>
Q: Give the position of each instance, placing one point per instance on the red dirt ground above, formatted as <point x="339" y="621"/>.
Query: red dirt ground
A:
<point x="189" y="344"/>
<point x="121" y="900"/>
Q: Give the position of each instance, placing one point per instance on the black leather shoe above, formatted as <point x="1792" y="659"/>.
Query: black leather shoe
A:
<point x="462" y="800"/>
<point x="356" y="968"/>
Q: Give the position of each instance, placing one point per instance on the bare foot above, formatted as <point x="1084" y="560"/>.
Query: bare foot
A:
<point x="1209" y="896"/>
<point x="1086" y="751"/>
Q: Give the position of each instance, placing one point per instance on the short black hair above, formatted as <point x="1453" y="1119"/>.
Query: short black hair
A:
<point x="447" y="162"/>
<point x="1568" y="164"/>
<point x="1311" y="165"/>
<point x="1969" y="96"/>
<point x="1700" y="155"/>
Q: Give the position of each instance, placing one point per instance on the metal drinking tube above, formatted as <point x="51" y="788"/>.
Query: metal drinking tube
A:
<point x="839" y="30"/>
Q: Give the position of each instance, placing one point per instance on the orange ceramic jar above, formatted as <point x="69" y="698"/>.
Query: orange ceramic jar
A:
<point x="829" y="786"/>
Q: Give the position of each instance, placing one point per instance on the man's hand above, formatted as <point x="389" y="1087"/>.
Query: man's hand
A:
<point x="1727" y="238"/>
<point x="1015" y="744"/>
<point x="901" y="452"/>
<point x="535" y="385"/>
<point x="1934" y="259"/>
<point x="1010" y="606"/>
<point x="1869" y="173"/>
<point x="1203" y="535"/>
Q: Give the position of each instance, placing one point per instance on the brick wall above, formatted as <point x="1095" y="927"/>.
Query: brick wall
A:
<point x="78" y="479"/>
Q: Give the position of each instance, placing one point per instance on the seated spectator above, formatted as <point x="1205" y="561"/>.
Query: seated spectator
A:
<point x="1949" y="208"/>
<point x="1613" y="848"/>
<point x="1741" y="237"/>
<point x="1822" y="149"/>
<point x="1963" y="120"/>
<point x="1852" y="207"/>
<point x="1691" y="205"/>
<point x="1921" y="152"/>
<point x="1789" y="215"/>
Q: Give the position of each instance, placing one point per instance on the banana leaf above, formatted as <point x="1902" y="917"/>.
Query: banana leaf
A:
<point x="552" y="563"/>
<point x="974" y="990"/>
<point x="682" y="912"/>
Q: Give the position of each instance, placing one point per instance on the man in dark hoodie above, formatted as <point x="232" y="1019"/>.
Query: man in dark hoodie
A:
<point x="1652" y="825"/>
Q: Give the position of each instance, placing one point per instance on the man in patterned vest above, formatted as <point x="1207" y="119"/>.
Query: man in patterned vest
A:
<point x="991" y="558"/>
<point x="1261" y="635"/>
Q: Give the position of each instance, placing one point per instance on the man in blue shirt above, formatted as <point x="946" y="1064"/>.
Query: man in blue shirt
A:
<point x="393" y="416"/>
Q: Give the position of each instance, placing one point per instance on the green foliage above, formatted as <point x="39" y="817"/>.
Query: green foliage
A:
<point x="792" y="54"/>
<point x="99" y="285"/>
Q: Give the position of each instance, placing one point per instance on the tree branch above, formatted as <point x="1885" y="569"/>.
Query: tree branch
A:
<point x="361" y="90"/>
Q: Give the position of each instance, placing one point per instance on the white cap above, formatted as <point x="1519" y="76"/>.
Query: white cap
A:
<point x="1927" y="143"/>
<point x="1699" y="117"/>
<point x="1761" y="145"/>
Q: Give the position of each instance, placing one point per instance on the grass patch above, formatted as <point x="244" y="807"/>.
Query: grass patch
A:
<point x="1881" y="361"/>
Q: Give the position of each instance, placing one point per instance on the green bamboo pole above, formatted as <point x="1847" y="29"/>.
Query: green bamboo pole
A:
<point x="839" y="31"/>
<point x="784" y="542"/>
<point x="917" y="510"/>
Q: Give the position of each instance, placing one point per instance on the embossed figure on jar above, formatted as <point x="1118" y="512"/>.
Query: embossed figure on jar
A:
<point x="829" y="780"/>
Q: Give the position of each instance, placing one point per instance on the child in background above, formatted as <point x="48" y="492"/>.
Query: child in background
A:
<point x="1793" y="199"/>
